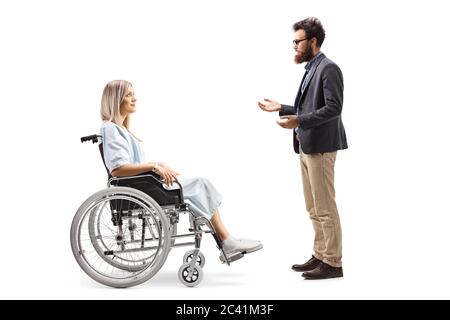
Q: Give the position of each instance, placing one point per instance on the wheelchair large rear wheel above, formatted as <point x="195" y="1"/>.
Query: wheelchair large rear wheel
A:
<point x="120" y="237"/>
<point x="131" y="230"/>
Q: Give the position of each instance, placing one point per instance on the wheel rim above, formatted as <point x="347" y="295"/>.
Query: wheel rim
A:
<point x="190" y="278"/>
<point x="93" y="237"/>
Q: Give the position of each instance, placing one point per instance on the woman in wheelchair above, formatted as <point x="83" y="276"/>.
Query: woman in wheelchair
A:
<point x="123" y="156"/>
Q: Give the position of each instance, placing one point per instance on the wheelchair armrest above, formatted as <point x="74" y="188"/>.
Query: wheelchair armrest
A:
<point x="159" y="179"/>
<point x="150" y="174"/>
<point x="144" y="181"/>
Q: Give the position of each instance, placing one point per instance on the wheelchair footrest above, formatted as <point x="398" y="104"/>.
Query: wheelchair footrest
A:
<point x="232" y="257"/>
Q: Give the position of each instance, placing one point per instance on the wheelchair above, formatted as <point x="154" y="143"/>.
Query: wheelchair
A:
<point x="122" y="235"/>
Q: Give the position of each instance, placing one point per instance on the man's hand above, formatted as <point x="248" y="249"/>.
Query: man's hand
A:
<point x="288" y="122"/>
<point x="269" y="105"/>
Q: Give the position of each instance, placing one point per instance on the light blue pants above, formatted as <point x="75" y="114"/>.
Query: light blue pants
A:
<point x="201" y="196"/>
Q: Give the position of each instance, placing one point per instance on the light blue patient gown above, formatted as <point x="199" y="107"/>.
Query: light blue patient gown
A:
<point x="120" y="147"/>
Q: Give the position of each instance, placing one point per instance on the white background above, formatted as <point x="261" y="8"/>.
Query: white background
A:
<point x="198" y="68"/>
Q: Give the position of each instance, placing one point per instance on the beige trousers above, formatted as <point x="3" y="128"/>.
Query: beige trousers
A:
<point x="318" y="189"/>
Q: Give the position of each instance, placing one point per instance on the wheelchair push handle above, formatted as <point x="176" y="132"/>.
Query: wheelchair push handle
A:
<point x="93" y="137"/>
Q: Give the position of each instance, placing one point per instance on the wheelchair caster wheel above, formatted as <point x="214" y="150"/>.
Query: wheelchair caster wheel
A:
<point x="190" y="276"/>
<point x="200" y="261"/>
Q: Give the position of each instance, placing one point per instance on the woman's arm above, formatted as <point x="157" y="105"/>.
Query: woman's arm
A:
<point x="133" y="169"/>
<point x="161" y="169"/>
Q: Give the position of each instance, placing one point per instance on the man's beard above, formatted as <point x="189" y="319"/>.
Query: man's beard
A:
<point x="305" y="56"/>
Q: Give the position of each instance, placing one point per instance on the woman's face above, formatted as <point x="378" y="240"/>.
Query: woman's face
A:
<point x="128" y="104"/>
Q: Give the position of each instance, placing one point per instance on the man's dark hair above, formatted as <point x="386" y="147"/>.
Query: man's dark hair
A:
<point x="313" y="28"/>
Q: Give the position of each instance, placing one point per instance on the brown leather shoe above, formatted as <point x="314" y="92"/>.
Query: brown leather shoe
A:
<point x="323" y="271"/>
<point x="308" y="266"/>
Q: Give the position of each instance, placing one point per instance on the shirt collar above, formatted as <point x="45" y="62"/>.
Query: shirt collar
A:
<point x="313" y="61"/>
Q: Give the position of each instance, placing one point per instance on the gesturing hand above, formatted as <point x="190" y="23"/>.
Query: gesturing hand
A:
<point x="288" y="122"/>
<point x="166" y="173"/>
<point x="269" y="105"/>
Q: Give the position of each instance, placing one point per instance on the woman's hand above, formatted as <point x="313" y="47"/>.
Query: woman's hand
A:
<point x="166" y="173"/>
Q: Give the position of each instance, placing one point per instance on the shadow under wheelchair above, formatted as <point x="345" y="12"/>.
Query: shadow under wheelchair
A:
<point x="121" y="236"/>
<point x="166" y="279"/>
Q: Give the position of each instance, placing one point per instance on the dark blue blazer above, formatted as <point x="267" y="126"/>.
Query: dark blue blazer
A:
<point x="319" y="110"/>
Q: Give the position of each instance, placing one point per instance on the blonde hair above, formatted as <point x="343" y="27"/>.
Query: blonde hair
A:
<point x="112" y="97"/>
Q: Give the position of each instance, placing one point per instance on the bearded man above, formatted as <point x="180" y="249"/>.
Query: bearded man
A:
<point x="318" y="133"/>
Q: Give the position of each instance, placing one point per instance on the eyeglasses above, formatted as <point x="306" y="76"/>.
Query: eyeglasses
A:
<point x="297" y="41"/>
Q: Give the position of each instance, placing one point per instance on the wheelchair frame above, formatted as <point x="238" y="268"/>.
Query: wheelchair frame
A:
<point x="144" y="214"/>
